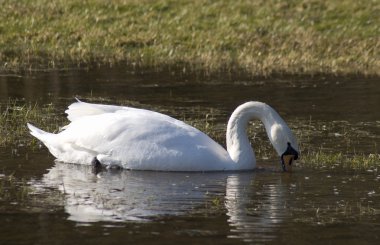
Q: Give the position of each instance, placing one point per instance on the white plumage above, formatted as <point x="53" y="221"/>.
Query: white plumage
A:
<point x="140" y="139"/>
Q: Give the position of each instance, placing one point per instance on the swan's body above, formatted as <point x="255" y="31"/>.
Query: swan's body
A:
<point x="145" y="140"/>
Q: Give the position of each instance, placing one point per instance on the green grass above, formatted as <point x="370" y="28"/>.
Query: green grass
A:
<point x="15" y="114"/>
<point x="323" y="159"/>
<point x="257" y="37"/>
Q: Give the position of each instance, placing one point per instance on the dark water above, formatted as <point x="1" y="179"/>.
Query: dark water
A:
<point x="69" y="204"/>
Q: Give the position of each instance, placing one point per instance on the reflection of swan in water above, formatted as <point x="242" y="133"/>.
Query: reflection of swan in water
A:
<point x="253" y="202"/>
<point x="130" y="195"/>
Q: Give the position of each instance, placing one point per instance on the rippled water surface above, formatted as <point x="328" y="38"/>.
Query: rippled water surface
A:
<point x="70" y="204"/>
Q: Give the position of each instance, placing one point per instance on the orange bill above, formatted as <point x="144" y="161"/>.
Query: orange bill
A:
<point x="287" y="160"/>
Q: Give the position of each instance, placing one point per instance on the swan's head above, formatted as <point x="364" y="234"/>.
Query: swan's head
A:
<point x="284" y="143"/>
<point x="287" y="158"/>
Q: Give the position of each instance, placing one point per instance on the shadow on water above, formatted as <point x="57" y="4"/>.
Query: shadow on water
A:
<point x="69" y="203"/>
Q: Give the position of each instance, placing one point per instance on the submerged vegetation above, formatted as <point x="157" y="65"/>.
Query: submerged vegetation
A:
<point x="258" y="37"/>
<point x="15" y="114"/>
<point x="13" y="189"/>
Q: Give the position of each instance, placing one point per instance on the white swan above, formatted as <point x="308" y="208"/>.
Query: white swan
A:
<point x="140" y="139"/>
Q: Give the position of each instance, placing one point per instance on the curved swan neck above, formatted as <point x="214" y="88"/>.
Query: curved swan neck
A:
<point x="238" y="145"/>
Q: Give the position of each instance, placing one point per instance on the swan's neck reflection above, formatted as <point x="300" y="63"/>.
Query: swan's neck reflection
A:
<point x="255" y="206"/>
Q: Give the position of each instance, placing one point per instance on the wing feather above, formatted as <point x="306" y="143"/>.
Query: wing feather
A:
<point x="81" y="109"/>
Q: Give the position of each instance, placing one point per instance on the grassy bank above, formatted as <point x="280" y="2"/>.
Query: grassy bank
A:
<point x="15" y="114"/>
<point x="258" y="37"/>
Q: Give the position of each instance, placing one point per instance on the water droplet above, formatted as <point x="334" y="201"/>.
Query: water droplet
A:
<point x="371" y="193"/>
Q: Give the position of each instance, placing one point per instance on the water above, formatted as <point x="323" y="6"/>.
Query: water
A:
<point x="69" y="204"/>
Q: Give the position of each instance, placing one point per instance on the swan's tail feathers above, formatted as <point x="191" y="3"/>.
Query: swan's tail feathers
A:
<point x="40" y="134"/>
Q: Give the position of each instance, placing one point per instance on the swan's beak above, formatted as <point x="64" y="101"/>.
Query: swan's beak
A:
<point x="287" y="161"/>
<point x="287" y="158"/>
